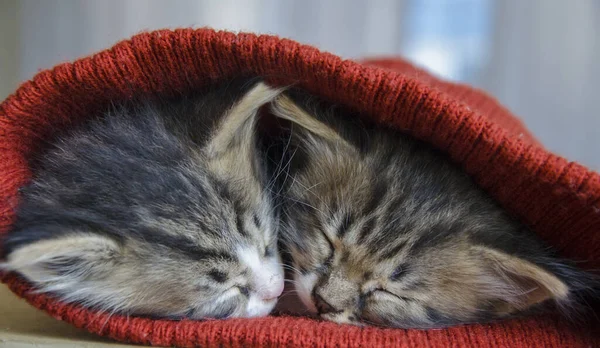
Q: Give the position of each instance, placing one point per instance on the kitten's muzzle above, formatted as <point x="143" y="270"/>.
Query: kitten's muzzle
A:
<point x="323" y="307"/>
<point x="273" y="289"/>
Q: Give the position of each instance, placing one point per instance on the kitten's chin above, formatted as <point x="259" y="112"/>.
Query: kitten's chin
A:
<point x="258" y="307"/>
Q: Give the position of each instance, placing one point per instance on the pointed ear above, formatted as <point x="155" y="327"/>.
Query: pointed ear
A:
<point x="285" y="108"/>
<point x="519" y="284"/>
<point x="237" y="127"/>
<point x="231" y="150"/>
<point x="61" y="263"/>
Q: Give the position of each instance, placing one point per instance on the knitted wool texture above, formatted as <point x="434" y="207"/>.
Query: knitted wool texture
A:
<point x="560" y="200"/>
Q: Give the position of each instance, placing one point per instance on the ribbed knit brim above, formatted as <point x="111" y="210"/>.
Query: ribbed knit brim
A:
<point x="557" y="198"/>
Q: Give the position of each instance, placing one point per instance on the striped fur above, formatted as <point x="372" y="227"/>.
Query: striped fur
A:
<point x="382" y="229"/>
<point x="156" y="209"/>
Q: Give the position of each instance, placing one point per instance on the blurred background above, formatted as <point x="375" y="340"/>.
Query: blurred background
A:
<point x="540" y="58"/>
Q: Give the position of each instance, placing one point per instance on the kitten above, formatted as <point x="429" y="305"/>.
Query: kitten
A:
<point x="159" y="210"/>
<point x="381" y="229"/>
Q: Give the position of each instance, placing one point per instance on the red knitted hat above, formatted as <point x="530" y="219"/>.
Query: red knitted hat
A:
<point x="560" y="200"/>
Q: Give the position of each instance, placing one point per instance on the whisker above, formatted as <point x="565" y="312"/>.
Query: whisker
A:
<point x="308" y="205"/>
<point x="278" y="169"/>
<point x="290" y="267"/>
<point x="309" y="189"/>
<point x="291" y="281"/>
<point x="287" y="173"/>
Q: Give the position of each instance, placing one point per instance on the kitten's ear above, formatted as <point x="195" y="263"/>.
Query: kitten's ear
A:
<point x="59" y="263"/>
<point x="518" y="283"/>
<point x="231" y="149"/>
<point x="285" y="108"/>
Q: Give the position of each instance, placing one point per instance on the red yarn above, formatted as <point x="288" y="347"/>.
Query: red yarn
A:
<point x="560" y="200"/>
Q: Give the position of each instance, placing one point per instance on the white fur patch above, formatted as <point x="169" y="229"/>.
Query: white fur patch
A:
<point x="258" y="307"/>
<point x="250" y="258"/>
<point x="304" y="287"/>
<point x="266" y="280"/>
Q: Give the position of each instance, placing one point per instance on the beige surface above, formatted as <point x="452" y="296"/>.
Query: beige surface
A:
<point x="22" y="326"/>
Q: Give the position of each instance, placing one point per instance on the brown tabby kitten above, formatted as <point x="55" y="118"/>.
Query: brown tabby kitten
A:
<point x="382" y="229"/>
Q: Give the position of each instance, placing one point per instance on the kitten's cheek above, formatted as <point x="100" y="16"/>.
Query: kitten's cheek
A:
<point x="304" y="286"/>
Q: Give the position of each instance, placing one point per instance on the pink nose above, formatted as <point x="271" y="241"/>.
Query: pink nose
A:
<point x="272" y="290"/>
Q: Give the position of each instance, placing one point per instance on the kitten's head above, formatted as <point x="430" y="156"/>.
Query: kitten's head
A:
<point x="130" y="218"/>
<point x="389" y="233"/>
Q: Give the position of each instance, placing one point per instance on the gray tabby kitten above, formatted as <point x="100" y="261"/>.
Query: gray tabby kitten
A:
<point x="159" y="210"/>
<point x="381" y="229"/>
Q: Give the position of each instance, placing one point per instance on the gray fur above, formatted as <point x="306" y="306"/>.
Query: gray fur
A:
<point x="132" y="213"/>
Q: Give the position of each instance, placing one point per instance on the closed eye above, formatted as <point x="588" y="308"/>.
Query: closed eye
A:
<point x="387" y="292"/>
<point x="362" y="300"/>
<point x="331" y="248"/>
<point x="322" y="269"/>
<point x="329" y="241"/>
